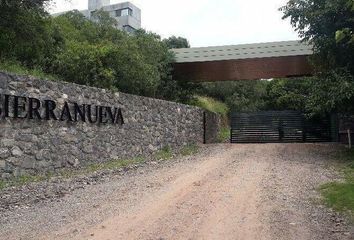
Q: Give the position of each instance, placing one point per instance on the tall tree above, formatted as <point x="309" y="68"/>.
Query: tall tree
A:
<point x="24" y="30"/>
<point x="176" y="42"/>
<point x="328" y="25"/>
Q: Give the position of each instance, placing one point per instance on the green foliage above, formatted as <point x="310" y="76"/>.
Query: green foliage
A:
<point x="99" y="55"/>
<point x="22" y="180"/>
<point x="211" y="105"/>
<point x="345" y="36"/>
<point x="176" y="42"/>
<point x="25" y="35"/>
<point x="189" y="149"/>
<point x="331" y="91"/>
<point x="105" y="21"/>
<point x="37" y="5"/>
<point x="324" y="93"/>
<point x="320" y="22"/>
<point x="164" y="154"/>
<point x="238" y="95"/>
<point x="288" y="94"/>
<point x="89" y="52"/>
<point x="16" y="67"/>
<point x="224" y="135"/>
<point x="83" y="63"/>
<point x="329" y="26"/>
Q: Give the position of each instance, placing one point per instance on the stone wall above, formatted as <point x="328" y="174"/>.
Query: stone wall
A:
<point x="34" y="139"/>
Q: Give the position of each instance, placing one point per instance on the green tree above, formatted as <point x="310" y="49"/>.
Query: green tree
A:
<point x="97" y="54"/>
<point x="84" y="64"/>
<point x="288" y="94"/>
<point x="176" y="42"/>
<point x="328" y="26"/>
<point x="320" y="22"/>
<point x="25" y="35"/>
<point x="331" y="91"/>
<point x="88" y="51"/>
<point x="181" y="90"/>
<point x="106" y="24"/>
<point x="345" y="35"/>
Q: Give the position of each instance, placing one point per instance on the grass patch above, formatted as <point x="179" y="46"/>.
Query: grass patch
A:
<point x="17" y="68"/>
<point x="189" y="149"/>
<point x="224" y="135"/>
<point x="340" y="195"/>
<point x="22" y="180"/>
<point x="211" y="105"/>
<point x="113" y="165"/>
<point x="164" y="154"/>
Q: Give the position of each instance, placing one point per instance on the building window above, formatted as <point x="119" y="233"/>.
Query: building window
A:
<point x="124" y="12"/>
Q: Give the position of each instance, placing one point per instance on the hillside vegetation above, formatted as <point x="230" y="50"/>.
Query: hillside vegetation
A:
<point x="211" y="105"/>
<point x="73" y="48"/>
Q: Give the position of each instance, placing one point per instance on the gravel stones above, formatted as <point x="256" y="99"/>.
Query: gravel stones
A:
<point x="270" y="185"/>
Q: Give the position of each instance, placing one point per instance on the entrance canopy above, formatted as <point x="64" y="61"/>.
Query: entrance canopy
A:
<point x="243" y="62"/>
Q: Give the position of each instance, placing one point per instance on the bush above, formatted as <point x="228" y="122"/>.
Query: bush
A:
<point x="224" y="135"/>
<point x="211" y="105"/>
<point x="164" y="154"/>
<point x="189" y="149"/>
<point x="15" y="67"/>
<point x="238" y="95"/>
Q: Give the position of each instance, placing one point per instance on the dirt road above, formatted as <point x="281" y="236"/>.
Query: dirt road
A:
<point x="226" y="192"/>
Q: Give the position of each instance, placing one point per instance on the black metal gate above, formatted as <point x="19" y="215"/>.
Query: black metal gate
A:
<point x="278" y="126"/>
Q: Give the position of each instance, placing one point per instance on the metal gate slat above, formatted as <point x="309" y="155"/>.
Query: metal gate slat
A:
<point x="277" y="126"/>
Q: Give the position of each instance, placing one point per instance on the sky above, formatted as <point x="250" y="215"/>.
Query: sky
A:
<point x="208" y="22"/>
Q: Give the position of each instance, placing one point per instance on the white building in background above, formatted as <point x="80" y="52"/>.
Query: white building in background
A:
<point x="127" y="14"/>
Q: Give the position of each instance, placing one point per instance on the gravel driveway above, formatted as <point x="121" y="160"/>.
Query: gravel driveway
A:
<point x="263" y="191"/>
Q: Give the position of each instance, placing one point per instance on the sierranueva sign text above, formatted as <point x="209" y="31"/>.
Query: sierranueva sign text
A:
<point x="21" y="107"/>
